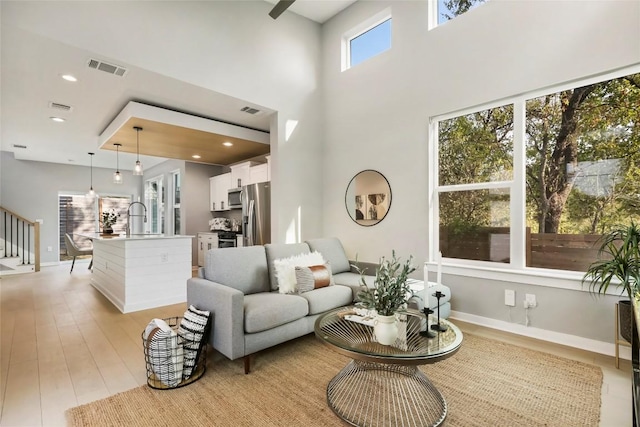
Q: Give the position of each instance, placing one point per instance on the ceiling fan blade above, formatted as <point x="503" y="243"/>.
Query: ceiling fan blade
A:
<point x="280" y="7"/>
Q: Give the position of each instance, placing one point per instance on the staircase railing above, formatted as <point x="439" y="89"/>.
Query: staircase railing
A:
<point x="21" y="238"/>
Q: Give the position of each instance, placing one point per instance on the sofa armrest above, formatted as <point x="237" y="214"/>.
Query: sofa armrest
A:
<point x="227" y="307"/>
<point x="369" y="268"/>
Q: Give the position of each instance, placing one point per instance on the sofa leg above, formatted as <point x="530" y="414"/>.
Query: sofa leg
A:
<point x="247" y="364"/>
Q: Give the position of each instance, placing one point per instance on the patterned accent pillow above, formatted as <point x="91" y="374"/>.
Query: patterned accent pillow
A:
<point x="164" y="352"/>
<point x="286" y="273"/>
<point x="193" y="327"/>
<point x="314" y="277"/>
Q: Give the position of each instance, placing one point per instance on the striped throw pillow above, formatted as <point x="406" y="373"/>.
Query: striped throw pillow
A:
<point x="192" y="329"/>
<point x="164" y="352"/>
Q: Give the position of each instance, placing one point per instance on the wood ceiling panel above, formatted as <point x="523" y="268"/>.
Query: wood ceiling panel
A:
<point x="176" y="142"/>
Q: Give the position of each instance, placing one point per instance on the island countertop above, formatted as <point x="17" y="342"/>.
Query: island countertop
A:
<point x="141" y="271"/>
<point x="122" y="236"/>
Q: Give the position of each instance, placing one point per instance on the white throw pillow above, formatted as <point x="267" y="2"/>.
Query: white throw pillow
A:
<point x="286" y="269"/>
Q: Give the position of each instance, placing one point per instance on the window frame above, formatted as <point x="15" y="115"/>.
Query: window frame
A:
<point x="160" y="207"/>
<point x="516" y="270"/>
<point x="377" y="19"/>
<point x="175" y="174"/>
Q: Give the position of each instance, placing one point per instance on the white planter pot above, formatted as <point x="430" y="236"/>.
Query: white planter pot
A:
<point x="386" y="329"/>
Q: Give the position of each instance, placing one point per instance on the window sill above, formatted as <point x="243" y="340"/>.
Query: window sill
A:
<point x="561" y="279"/>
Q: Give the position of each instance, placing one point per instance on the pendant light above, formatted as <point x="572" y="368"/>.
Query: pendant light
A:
<point x="137" y="170"/>
<point x="117" y="176"/>
<point x="91" y="193"/>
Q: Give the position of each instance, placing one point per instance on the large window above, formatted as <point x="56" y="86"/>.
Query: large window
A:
<point x="80" y="214"/>
<point x="475" y="173"/>
<point x="541" y="196"/>
<point x="368" y="39"/>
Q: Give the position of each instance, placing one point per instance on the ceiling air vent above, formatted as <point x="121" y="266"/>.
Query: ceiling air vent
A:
<point x="250" y="110"/>
<point x="107" y="68"/>
<point x="19" y="146"/>
<point x="61" y="107"/>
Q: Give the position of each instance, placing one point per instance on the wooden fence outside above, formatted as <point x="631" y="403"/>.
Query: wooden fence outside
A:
<point x="556" y="251"/>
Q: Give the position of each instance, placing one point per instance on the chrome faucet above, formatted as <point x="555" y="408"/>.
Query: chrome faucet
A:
<point x="129" y="215"/>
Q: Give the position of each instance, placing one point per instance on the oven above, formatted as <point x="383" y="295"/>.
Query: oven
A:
<point x="226" y="239"/>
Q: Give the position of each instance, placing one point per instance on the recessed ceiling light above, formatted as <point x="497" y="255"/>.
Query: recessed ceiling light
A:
<point x="227" y="144"/>
<point x="69" y="78"/>
<point x="196" y="156"/>
<point x="57" y="119"/>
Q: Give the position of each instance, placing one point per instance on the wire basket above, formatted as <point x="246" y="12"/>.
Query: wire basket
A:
<point x="177" y="359"/>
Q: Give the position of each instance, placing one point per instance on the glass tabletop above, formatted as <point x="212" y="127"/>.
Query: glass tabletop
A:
<point x="357" y="340"/>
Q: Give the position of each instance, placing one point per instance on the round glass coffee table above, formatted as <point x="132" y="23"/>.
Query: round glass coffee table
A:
<point x="382" y="385"/>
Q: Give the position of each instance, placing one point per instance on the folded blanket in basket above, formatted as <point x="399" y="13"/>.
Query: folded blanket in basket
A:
<point x="164" y="352"/>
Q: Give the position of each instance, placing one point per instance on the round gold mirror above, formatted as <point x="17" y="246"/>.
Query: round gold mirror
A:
<point x="368" y="197"/>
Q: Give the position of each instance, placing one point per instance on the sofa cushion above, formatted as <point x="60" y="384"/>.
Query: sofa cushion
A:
<point x="313" y="277"/>
<point x="330" y="297"/>
<point x="243" y="268"/>
<point x="285" y="269"/>
<point x="332" y="251"/>
<point x="266" y="310"/>
<point x="276" y="251"/>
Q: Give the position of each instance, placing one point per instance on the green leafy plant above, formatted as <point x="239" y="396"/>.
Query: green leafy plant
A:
<point x="390" y="292"/>
<point x="109" y="218"/>
<point x="619" y="258"/>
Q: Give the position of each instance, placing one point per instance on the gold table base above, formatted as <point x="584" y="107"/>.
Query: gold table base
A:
<point x="378" y="394"/>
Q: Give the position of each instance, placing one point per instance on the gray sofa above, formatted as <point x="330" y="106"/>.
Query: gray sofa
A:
<point x="239" y="286"/>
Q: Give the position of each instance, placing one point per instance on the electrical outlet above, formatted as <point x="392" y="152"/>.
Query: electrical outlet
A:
<point x="531" y="300"/>
<point x="510" y="297"/>
<point x="49" y="249"/>
<point x="164" y="257"/>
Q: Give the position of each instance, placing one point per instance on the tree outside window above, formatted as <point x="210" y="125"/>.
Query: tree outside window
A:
<point x="582" y="175"/>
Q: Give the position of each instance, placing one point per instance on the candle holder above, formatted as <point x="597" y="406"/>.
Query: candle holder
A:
<point x="438" y="327"/>
<point x="427" y="333"/>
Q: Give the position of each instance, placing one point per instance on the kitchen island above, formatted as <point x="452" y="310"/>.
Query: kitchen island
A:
<point x="142" y="271"/>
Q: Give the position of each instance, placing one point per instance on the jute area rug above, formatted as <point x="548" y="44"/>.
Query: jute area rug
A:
<point x="487" y="383"/>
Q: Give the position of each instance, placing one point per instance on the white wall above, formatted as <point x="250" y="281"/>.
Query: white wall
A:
<point x="377" y="116"/>
<point x="231" y="47"/>
<point x="195" y="201"/>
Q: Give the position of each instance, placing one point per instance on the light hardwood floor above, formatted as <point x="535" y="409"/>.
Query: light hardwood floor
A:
<point x="63" y="344"/>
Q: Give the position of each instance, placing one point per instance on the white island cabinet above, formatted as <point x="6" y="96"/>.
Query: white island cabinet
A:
<point x="141" y="271"/>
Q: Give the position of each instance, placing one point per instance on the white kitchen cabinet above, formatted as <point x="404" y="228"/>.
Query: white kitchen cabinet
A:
<point x="241" y="172"/>
<point x="258" y="173"/>
<point x="219" y="186"/>
<point x="206" y="241"/>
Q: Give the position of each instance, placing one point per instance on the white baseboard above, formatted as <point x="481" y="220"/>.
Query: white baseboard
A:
<point x="575" y="341"/>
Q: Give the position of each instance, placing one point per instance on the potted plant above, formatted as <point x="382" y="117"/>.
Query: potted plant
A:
<point x="108" y="219"/>
<point x="618" y="263"/>
<point x="388" y="295"/>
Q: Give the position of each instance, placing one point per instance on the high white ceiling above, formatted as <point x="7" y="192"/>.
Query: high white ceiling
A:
<point x="31" y="70"/>
<point x="317" y="10"/>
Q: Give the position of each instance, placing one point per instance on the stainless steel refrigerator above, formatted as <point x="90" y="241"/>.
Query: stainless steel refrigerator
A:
<point x="256" y="214"/>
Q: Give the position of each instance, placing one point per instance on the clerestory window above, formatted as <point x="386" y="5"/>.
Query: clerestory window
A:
<point x="441" y="11"/>
<point x="367" y="40"/>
